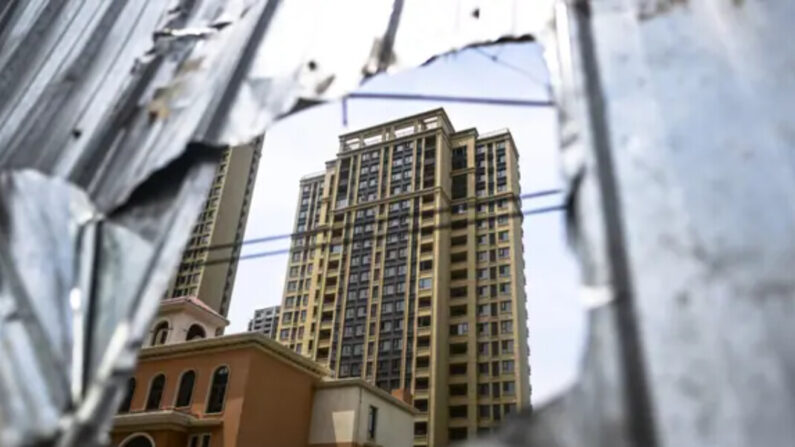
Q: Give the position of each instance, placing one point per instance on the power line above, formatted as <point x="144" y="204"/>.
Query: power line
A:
<point x="349" y="241"/>
<point x="276" y="237"/>
<point x="495" y="59"/>
<point x="453" y="98"/>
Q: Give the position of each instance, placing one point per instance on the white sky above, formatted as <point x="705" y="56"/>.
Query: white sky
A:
<point x="302" y="143"/>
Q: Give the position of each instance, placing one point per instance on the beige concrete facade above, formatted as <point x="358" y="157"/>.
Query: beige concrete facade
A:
<point x="341" y="414"/>
<point x="209" y="263"/>
<point x="406" y="270"/>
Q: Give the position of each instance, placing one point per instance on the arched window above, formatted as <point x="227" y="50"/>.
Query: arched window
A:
<point x="127" y="402"/>
<point x="160" y="333"/>
<point x="156" y="392"/>
<point x="138" y="440"/>
<point x="195" y="332"/>
<point x="185" y="390"/>
<point x="215" y="403"/>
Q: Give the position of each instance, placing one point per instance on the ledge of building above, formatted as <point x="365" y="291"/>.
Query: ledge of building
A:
<point x="194" y="305"/>
<point x="174" y="418"/>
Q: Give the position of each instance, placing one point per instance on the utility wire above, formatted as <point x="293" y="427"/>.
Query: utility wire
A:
<point x="276" y="237"/>
<point x="348" y="241"/>
<point x="495" y="59"/>
<point x="453" y="98"/>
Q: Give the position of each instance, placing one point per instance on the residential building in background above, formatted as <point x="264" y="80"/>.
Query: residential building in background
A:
<point x="265" y="321"/>
<point x="406" y="270"/>
<point x="209" y="263"/>
<point x="246" y="389"/>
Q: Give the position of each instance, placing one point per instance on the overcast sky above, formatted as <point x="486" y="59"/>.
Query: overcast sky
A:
<point x="302" y="143"/>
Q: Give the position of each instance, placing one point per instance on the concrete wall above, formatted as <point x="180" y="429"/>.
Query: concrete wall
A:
<point x="339" y="417"/>
<point x="334" y="415"/>
<point x="394" y="427"/>
<point x="277" y="407"/>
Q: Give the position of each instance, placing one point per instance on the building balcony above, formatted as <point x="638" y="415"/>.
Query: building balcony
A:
<point x="457" y="378"/>
<point x="424" y="330"/>
<point x="459" y="283"/>
<point x="458" y="421"/>
<point x="423" y="371"/>
<point x="457" y="400"/>
<point x="458" y="338"/>
<point x="425" y="311"/>
<point x="457" y="357"/>
<point x="423" y="350"/>
<point x="459" y="232"/>
<point x="326" y="324"/>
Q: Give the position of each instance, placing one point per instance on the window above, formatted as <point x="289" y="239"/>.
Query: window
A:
<point x="503" y="236"/>
<point x="459" y="187"/>
<point x="505" y="307"/>
<point x="459" y="329"/>
<point x="215" y="403"/>
<point x="506" y="327"/>
<point x="195" y="332"/>
<point x="508" y="388"/>
<point x="483" y="389"/>
<point x="507" y="346"/>
<point x="185" y="390"/>
<point x="372" y="422"/>
<point x="160" y="334"/>
<point x="424" y="283"/>
<point x="138" y="441"/>
<point x="127" y="402"/>
<point x="155" y="392"/>
<point x="507" y="366"/>
<point x="484" y="411"/>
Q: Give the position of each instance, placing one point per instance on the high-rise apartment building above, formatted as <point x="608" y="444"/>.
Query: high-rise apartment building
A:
<point x="265" y="321"/>
<point x="406" y="269"/>
<point x="209" y="263"/>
